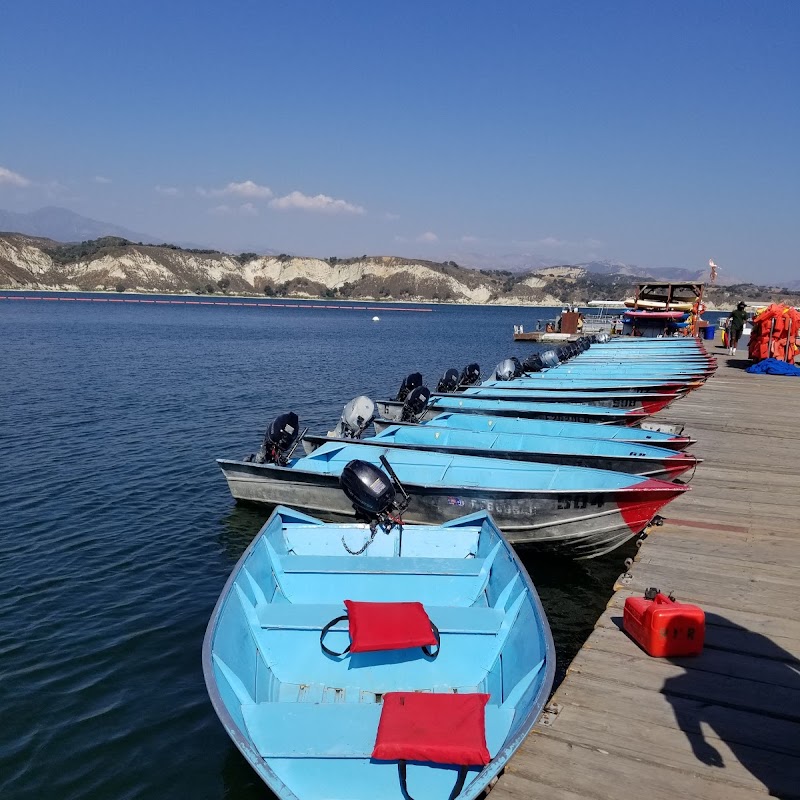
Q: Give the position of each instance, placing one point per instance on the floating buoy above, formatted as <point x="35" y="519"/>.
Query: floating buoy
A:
<point x="376" y="319"/>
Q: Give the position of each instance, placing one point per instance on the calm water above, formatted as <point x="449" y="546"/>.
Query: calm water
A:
<point x="118" y="530"/>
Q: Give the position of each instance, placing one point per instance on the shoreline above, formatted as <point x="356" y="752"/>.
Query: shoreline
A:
<point x="592" y="310"/>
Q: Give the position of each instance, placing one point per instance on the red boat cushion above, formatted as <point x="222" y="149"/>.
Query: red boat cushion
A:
<point x="388" y="626"/>
<point x="438" y="728"/>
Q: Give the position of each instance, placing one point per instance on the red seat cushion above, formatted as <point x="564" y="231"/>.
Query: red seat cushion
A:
<point x="438" y="728"/>
<point x="387" y="626"/>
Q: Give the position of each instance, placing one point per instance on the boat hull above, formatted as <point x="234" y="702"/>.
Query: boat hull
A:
<point x="626" y="459"/>
<point x="393" y="410"/>
<point x="619" y="433"/>
<point x="581" y="524"/>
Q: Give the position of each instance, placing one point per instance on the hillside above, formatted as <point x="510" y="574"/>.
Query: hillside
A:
<point x="115" y="263"/>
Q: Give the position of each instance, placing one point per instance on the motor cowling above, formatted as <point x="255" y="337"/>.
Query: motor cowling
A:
<point x="505" y="370"/>
<point x="410" y="382"/>
<point x="357" y="415"/>
<point x="415" y="404"/>
<point x="549" y="358"/>
<point x="533" y="363"/>
<point x="369" y="490"/>
<point x="279" y="439"/>
<point x="448" y="382"/>
<point x="519" y="371"/>
<point x="470" y="375"/>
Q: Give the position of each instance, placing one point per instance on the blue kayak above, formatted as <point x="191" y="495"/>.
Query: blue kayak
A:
<point x="307" y="721"/>
<point x="582" y="430"/>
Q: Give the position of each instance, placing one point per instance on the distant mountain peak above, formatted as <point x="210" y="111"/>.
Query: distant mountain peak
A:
<point x="64" y="225"/>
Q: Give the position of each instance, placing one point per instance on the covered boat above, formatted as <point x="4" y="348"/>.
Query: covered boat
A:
<point x="650" y="403"/>
<point x="566" y="412"/>
<point x="580" y="512"/>
<point x="549" y="382"/>
<point x="618" y="456"/>
<point x="619" y="433"/>
<point x="315" y="723"/>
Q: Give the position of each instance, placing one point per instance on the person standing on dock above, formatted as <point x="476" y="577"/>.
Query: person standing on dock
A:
<point x="736" y="326"/>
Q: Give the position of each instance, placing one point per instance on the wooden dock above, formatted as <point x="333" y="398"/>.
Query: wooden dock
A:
<point x="725" y="724"/>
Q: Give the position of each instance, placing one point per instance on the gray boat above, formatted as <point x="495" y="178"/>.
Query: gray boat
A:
<point x="580" y="512"/>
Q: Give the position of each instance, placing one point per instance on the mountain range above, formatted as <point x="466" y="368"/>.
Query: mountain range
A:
<point x="114" y="263"/>
<point x="62" y="225"/>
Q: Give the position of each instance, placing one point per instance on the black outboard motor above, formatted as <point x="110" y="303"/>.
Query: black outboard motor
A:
<point x="518" y="368"/>
<point x="448" y="382"/>
<point x="280" y="440"/>
<point x="410" y="382"/>
<point x="415" y="404"/>
<point x="505" y="370"/>
<point x="374" y="496"/>
<point x="533" y="363"/>
<point x="367" y="488"/>
<point x="470" y="375"/>
<point x="563" y="354"/>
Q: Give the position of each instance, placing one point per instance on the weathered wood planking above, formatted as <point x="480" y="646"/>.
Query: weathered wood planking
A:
<point x="726" y="724"/>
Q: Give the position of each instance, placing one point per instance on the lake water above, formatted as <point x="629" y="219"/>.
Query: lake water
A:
<point x="118" y="530"/>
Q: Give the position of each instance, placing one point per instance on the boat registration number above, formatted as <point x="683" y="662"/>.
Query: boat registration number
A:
<point x="579" y="501"/>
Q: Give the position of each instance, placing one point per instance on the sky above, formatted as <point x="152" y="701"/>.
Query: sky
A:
<point x="656" y="134"/>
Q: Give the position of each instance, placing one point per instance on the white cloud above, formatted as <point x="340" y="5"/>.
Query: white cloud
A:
<point x="9" y="178"/>
<point x="169" y="191"/>
<point x="248" y="210"/>
<point x="101" y="179"/>
<point x="221" y="210"/>
<point x="243" y="189"/>
<point x="321" y="203"/>
<point x="470" y="239"/>
<point x="389" y="217"/>
<point x="428" y="236"/>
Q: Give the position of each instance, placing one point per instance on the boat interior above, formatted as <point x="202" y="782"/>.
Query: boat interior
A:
<point x="313" y="718"/>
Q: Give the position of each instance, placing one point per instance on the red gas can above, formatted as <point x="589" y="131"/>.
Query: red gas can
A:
<point x="664" y="627"/>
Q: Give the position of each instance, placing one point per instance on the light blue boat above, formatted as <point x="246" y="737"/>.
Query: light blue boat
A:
<point x="650" y="402"/>
<point x="566" y="412"/>
<point x="582" y="430"/>
<point x="307" y="722"/>
<point x="618" y="456"/>
<point x="552" y="383"/>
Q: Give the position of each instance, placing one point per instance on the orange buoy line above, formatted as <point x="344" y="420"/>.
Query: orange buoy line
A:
<point x="223" y="303"/>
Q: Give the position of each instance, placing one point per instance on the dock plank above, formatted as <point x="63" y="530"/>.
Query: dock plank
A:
<point x="727" y="723"/>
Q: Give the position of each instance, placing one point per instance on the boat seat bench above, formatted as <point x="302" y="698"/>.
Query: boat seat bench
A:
<point x="314" y="616"/>
<point x="398" y="565"/>
<point x="336" y="730"/>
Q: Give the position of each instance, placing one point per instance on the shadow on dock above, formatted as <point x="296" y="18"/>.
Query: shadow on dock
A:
<point x="741" y="694"/>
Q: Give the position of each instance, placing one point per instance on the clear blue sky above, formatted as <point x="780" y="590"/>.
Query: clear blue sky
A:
<point x="660" y="134"/>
